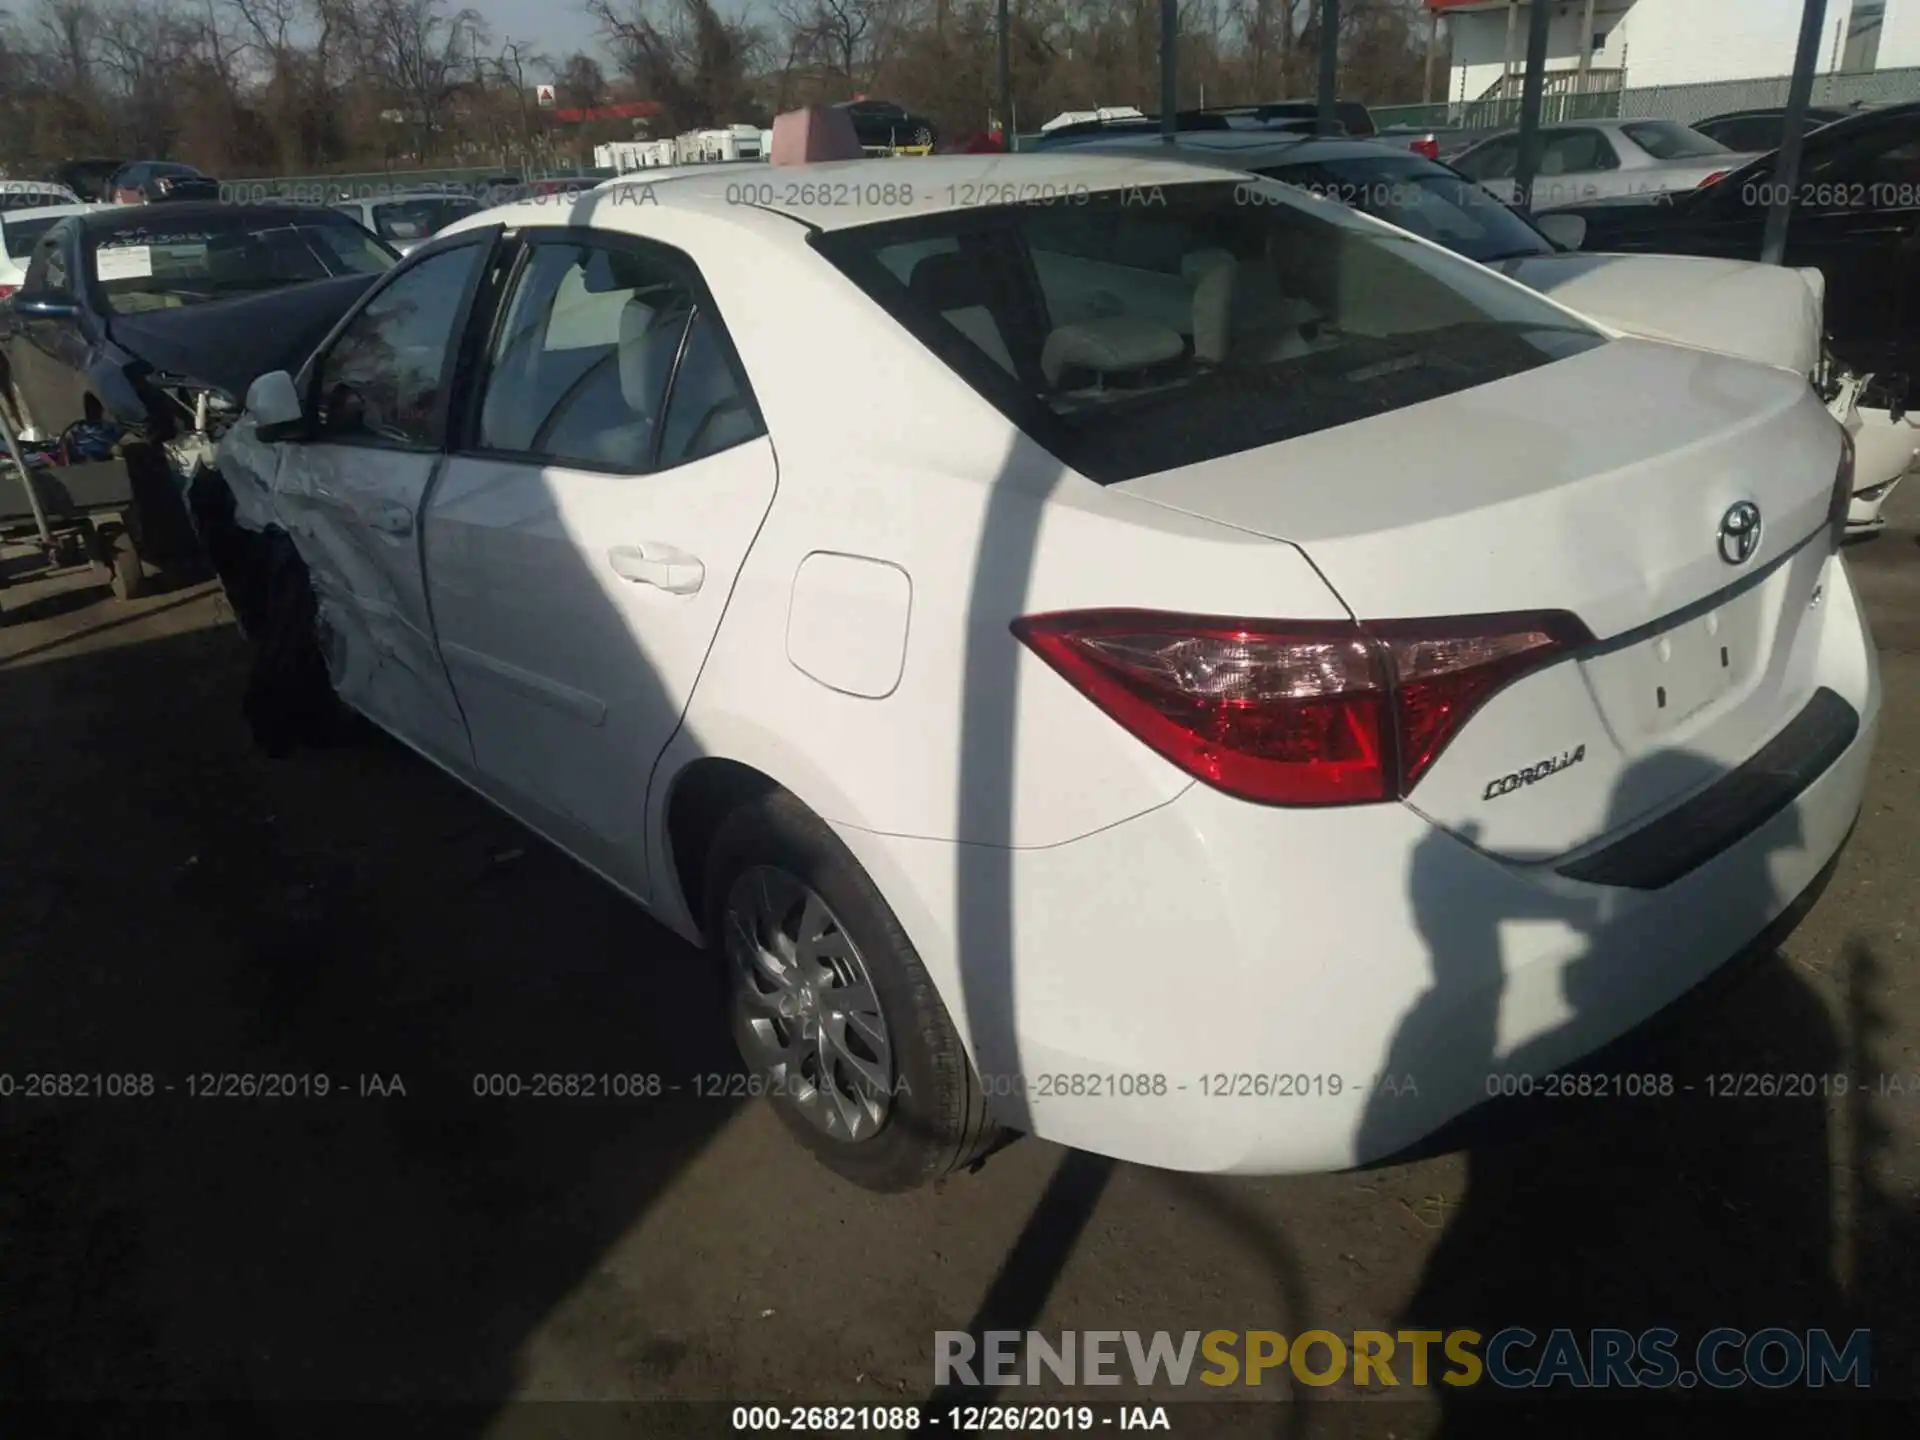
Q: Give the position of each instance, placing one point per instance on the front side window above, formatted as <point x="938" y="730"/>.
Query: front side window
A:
<point x="1494" y="160"/>
<point x="47" y="272"/>
<point x="385" y="377"/>
<point x="1576" y="152"/>
<point x="1283" y="316"/>
<point x="580" y="370"/>
<point x="1755" y="133"/>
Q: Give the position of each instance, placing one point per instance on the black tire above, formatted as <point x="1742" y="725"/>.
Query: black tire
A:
<point x="159" y="517"/>
<point x="290" y="700"/>
<point x="126" y="576"/>
<point x="937" y="1120"/>
<point x="923" y="136"/>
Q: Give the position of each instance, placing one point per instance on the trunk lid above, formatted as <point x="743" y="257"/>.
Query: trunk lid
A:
<point x="1597" y="485"/>
<point x="1760" y="312"/>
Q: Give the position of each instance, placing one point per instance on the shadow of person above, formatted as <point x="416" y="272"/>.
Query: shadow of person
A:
<point x="1603" y="1202"/>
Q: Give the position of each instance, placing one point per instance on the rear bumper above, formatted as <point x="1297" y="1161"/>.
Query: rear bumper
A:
<point x="1215" y="986"/>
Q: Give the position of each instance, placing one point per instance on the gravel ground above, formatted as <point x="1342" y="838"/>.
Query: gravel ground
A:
<point x="172" y="905"/>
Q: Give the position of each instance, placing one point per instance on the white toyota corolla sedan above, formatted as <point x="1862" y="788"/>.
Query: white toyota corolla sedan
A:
<point x="1098" y="648"/>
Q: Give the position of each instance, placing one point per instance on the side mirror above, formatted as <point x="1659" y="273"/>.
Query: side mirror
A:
<point x="274" y="404"/>
<point x="44" y="305"/>
<point x="1569" y="232"/>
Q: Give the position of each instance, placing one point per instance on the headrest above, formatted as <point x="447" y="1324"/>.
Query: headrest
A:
<point x="649" y="339"/>
<point x="1117" y="344"/>
<point x="1198" y="263"/>
<point x="946" y="282"/>
<point x="819" y="132"/>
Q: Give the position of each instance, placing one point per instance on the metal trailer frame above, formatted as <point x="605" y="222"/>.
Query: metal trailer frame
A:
<point x="93" y="517"/>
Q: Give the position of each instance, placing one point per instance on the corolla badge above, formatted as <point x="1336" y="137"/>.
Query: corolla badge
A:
<point x="1740" y="532"/>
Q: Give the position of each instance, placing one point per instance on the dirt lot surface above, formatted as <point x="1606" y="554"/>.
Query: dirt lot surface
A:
<point x="173" y="905"/>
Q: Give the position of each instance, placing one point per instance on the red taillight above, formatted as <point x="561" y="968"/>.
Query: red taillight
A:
<point x="1295" y="713"/>
<point x="6" y="290"/>
<point x="1842" y="499"/>
<point x="1715" y="178"/>
<point x="1429" y="148"/>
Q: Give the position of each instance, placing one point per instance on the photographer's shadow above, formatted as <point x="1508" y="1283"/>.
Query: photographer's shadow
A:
<point x="1690" y="1210"/>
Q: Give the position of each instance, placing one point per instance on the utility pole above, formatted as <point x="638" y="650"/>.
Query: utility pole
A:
<point x="1532" y="98"/>
<point x="1329" y="122"/>
<point x="1786" y="175"/>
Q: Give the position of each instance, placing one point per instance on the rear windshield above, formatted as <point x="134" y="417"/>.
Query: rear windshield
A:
<point x="1139" y="332"/>
<point x="1666" y="140"/>
<point x="156" y="266"/>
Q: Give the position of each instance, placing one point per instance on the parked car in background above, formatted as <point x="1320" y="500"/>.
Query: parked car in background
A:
<point x="406" y="219"/>
<point x="106" y="304"/>
<point x="1355" y="119"/>
<point x="883" y="123"/>
<point x="1758" y="131"/>
<point x="1602" y="159"/>
<point x="1759" y="312"/>
<point x="34" y="195"/>
<point x="1295" y="607"/>
<point x="149" y="181"/>
<point x="1857" y="221"/>
<point x="87" y="178"/>
<point x="1433" y="142"/>
<point x="20" y="231"/>
<point x="1231" y="120"/>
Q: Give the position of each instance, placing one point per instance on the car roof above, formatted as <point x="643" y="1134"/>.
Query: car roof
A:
<point x="842" y="194"/>
<point x="42" y="212"/>
<point x="1249" y="148"/>
<point x="1762" y="112"/>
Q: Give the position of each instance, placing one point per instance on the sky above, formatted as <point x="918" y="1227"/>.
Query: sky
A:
<point x="557" y="27"/>
<point x="560" y="27"/>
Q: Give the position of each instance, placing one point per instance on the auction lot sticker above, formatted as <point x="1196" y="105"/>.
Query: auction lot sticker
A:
<point x="123" y="262"/>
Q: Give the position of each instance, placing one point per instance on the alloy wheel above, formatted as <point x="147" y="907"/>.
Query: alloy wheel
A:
<point x="806" y="1013"/>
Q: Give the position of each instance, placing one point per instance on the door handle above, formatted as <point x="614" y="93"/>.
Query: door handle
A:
<point x="660" y="566"/>
<point x="391" y="519"/>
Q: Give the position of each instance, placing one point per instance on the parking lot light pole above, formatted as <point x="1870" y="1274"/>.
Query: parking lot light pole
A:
<point x="1006" y="84"/>
<point x="1533" y="89"/>
<point x="1786" y="174"/>
<point x="1169" y="68"/>
<point x="1329" y="120"/>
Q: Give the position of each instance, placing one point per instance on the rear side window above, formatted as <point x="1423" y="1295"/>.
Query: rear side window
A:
<point x="580" y="371"/>
<point x="1131" y="338"/>
<point x="1666" y="140"/>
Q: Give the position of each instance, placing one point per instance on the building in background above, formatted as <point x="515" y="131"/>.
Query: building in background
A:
<point x="1600" y="45"/>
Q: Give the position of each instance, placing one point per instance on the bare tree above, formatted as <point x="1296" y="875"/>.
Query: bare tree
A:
<point x="515" y="64"/>
<point x="695" y="62"/>
<point x="425" y="56"/>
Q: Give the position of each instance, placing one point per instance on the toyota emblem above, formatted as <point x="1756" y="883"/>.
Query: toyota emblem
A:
<point x="1740" y="532"/>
